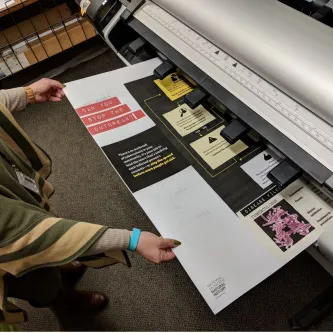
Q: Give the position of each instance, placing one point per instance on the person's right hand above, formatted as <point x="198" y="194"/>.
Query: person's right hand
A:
<point x="47" y="90"/>
<point x="156" y="249"/>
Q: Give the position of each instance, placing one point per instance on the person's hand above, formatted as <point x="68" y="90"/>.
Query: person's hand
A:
<point x="47" y="90"/>
<point x="156" y="249"/>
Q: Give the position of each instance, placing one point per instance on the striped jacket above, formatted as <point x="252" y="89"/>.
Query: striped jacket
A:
<point x="31" y="236"/>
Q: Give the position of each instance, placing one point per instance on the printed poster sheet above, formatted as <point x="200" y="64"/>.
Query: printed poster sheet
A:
<point x="258" y="167"/>
<point x="174" y="86"/>
<point x="224" y="255"/>
<point x="215" y="150"/>
<point x="185" y="120"/>
<point x="283" y="218"/>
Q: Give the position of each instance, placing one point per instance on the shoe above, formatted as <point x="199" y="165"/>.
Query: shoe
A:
<point x="71" y="273"/>
<point x="81" y="301"/>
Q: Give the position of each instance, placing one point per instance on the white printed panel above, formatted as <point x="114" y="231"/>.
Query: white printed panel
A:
<point x="259" y="166"/>
<point x="232" y="257"/>
<point x="96" y="97"/>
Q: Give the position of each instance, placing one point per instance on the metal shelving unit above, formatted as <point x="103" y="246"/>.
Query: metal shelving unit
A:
<point x="34" y="30"/>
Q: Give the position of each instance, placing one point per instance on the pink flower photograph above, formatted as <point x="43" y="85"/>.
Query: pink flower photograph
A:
<point x="284" y="225"/>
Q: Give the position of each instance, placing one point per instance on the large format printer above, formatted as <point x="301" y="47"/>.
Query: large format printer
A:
<point x="268" y="64"/>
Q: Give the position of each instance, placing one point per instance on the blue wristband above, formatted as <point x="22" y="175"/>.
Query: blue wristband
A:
<point x="134" y="240"/>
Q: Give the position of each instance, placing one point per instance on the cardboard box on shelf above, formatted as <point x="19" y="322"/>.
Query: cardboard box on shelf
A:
<point x="59" y="41"/>
<point x="81" y="31"/>
<point x="12" y="34"/>
<point x="26" y="28"/>
<point x="36" y="23"/>
<point x="51" y="17"/>
<point x="57" y="14"/>
<point x="41" y="37"/>
<point x="3" y="41"/>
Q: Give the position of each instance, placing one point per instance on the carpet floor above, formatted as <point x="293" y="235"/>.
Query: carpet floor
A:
<point x="146" y="297"/>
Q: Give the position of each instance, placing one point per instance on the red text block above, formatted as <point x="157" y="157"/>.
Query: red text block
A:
<point x="105" y="115"/>
<point x="112" y="124"/>
<point x="99" y="106"/>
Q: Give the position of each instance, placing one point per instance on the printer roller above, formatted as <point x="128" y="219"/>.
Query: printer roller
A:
<point x="287" y="48"/>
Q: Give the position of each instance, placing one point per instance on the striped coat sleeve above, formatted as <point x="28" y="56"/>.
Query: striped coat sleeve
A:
<point x="13" y="99"/>
<point x="31" y="238"/>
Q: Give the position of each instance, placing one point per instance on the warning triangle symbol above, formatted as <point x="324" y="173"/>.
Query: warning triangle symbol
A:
<point x="235" y="64"/>
<point x="217" y="52"/>
<point x="211" y="140"/>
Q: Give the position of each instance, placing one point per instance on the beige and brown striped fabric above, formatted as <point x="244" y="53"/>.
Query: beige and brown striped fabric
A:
<point x="31" y="236"/>
<point x="19" y="142"/>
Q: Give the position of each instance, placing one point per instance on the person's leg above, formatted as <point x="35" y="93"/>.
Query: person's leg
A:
<point x="72" y="272"/>
<point x="45" y="288"/>
<point x="41" y="286"/>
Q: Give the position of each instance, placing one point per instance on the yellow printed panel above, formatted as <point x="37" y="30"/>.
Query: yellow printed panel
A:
<point x="215" y="150"/>
<point x="174" y="86"/>
<point x="186" y="120"/>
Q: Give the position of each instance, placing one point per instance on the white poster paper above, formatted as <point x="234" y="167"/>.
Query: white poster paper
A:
<point x="99" y="88"/>
<point x="224" y="256"/>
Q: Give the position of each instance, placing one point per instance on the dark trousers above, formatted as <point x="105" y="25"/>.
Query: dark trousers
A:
<point x="41" y="286"/>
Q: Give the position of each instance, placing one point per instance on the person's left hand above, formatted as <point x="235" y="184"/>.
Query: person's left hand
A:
<point x="156" y="249"/>
<point x="47" y="90"/>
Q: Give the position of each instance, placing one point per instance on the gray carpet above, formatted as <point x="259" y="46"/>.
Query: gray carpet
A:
<point x="146" y="297"/>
